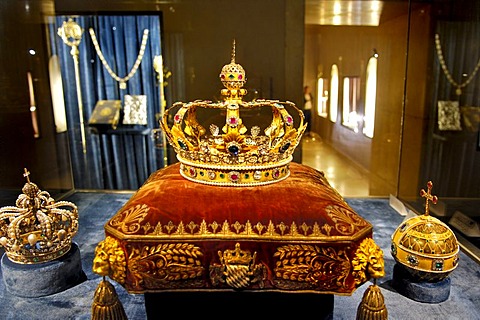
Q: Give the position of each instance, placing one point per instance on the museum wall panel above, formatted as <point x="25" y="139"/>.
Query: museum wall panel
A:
<point x="27" y="130"/>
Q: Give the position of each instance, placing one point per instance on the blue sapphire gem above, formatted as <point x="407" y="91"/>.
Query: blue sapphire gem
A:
<point x="284" y="147"/>
<point x="412" y="260"/>
<point x="233" y="149"/>
<point x="182" y="144"/>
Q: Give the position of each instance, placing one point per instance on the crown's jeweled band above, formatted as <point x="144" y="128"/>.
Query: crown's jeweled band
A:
<point x="39" y="257"/>
<point x="234" y="175"/>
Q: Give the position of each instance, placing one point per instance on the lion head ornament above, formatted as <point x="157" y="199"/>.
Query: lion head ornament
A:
<point x="368" y="261"/>
<point x="109" y="260"/>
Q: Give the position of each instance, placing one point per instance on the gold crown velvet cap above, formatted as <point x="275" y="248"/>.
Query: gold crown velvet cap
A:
<point x="37" y="229"/>
<point x="230" y="154"/>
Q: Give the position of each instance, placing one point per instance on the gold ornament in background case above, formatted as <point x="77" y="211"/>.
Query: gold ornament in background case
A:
<point x="122" y="81"/>
<point x="135" y="110"/>
<point x="71" y="34"/>
<point x="106" y="114"/>
<point x="37" y="229"/>
<point x="449" y="117"/>
<point x="425" y="246"/>
<point x="458" y="86"/>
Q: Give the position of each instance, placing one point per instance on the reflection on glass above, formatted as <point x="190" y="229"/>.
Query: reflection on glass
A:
<point x="351" y="100"/>
<point x="370" y="97"/>
<point x="334" y="93"/>
<point x="322" y="97"/>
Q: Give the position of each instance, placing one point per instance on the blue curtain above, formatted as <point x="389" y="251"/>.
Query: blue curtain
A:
<point x="124" y="159"/>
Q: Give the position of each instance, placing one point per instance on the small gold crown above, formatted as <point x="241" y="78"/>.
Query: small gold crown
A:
<point x="237" y="256"/>
<point x="233" y="157"/>
<point x="37" y="229"/>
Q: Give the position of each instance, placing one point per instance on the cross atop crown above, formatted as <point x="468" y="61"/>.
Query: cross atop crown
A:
<point x="26" y="174"/>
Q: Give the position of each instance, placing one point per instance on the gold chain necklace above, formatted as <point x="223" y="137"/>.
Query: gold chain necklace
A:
<point x="122" y="81"/>
<point x="458" y="86"/>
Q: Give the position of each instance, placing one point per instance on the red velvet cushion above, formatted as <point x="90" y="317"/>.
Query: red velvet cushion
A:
<point x="299" y="233"/>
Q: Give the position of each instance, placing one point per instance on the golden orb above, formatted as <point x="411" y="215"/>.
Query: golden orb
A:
<point x="425" y="246"/>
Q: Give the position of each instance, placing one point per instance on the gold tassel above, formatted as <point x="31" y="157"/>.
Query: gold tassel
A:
<point x="106" y="305"/>
<point x="372" y="306"/>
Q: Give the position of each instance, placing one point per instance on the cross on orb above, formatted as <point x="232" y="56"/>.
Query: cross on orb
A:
<point x="428" y="197"/>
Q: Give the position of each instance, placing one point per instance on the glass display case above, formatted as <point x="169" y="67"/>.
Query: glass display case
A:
<point x="417" y="112"/>
<point x="418" y="104"/>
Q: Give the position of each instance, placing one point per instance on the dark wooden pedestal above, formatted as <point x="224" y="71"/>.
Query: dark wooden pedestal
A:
<point x="232" y="304"/>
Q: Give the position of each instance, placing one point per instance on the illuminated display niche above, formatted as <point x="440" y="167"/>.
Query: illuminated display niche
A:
<point x="370" y="98"/>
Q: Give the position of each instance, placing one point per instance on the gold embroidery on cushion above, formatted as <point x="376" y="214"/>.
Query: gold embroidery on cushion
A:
<point x="347" y="224"/>
<point x="309" y="267"/>
<point x="327" y="229"/>
<point x="214" y="225"/>
<point x="169" y="265"/>
<point x="227" y="230"/>
<point x="346" y="221"/>
<point x="146" y="227"/>
<point x="129" y="220"/>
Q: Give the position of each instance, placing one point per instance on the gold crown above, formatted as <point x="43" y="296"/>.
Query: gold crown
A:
<point x="233" y="157"/>
<point x="38" y="229"/>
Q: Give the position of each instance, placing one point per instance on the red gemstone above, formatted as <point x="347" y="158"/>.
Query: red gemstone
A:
<point x="240" y="77"/>
<point x="232" y="120"/>
<point x="177" y="118"/>
<point x="234" y="177"/>
<point x="276" y="174"/>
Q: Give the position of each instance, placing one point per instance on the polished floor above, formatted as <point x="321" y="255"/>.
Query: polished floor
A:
<point x="348" y="178"/>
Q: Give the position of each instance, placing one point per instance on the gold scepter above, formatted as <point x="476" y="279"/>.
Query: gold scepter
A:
<point x="158" y="66"/>
<point x="71" y="34"/>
